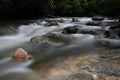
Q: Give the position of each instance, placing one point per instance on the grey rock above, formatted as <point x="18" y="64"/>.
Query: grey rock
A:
<point x="70" y="30"/>
<point x="75" y="20"/>
<point x="52" y="23"/>
<point x="93" y="23"/>
<point x="7" y="30"/>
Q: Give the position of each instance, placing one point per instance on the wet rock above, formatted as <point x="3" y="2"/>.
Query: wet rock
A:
<point x="88" y="32"/>
<point x="93" y="23"/>
<point x="7" y="30"/>
<point x="107" y="33"/>
<point x="97" y="18"/>
<point x="111" y="34"/>
<point x="75" y="20"/>
<point x="1" y="34"/>
<point x="39" y="39"/>
<point x="70" y="30"/>
<point x="104" y="43"/>
<point x="59" y="20"/>
<point x="115" y="26"/>
<point x="99" y="36"/>
<point x="21" y="54"/>
<point x="52" y="23"/>
<point x="50" y="38"/>
<point x="118" y="34"/>
<point x="112" y="27"/>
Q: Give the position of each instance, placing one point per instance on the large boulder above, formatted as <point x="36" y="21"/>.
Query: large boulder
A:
<point x="21" y="54"/>
<point x="106" y="33"/>
<point x="50" y="38"/>
<point x="51" y="23"/>
<point x="39" y="39"/>
<point x="97" y="18"/>
<point x="93" y="23"/>
<point x="70" y="30"/>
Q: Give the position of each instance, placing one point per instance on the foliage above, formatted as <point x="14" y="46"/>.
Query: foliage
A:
<point x="25" y="9"/>
<point x="87" y="7"/>
<point x="111" y="7"/>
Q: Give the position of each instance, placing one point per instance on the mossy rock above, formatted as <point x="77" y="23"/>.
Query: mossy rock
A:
<point x="70" y="30"/>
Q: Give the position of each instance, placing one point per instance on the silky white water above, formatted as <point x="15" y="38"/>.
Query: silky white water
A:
<point x="14" y="70"/>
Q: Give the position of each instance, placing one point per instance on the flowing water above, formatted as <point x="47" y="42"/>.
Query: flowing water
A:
<point x="42" y="53"/>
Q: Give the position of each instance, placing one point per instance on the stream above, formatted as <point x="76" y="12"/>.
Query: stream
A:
<point x="62" y="53"/>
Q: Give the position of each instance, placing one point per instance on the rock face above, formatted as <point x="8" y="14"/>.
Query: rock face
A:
<point x="21" y="54"/>
<point x="52" y="23"/>
<point x="70" y="30"/>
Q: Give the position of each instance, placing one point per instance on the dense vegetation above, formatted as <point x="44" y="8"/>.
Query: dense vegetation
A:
<point x="87" y="7"/>
<point x="25" y="9"/>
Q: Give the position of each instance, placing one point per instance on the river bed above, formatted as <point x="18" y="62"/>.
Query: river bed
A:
<point x="51" y="60"/>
